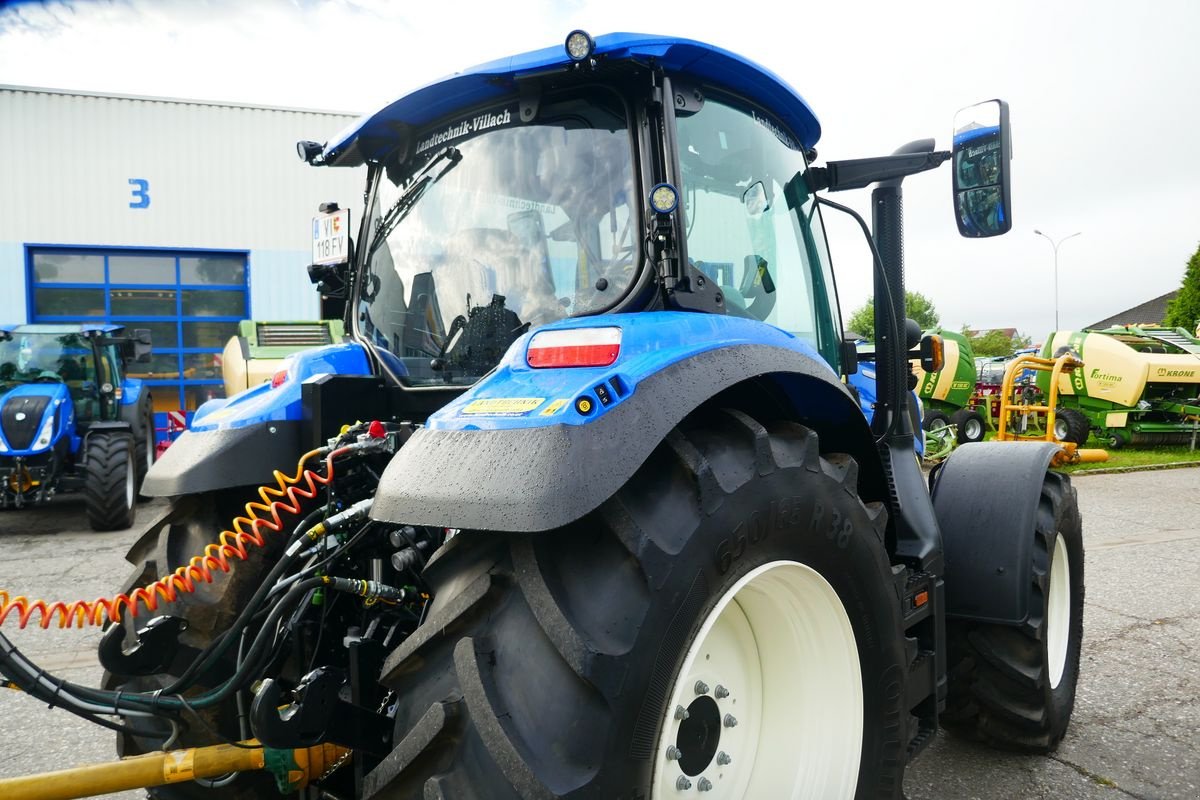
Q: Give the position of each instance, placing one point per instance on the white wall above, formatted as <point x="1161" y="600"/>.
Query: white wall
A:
<point x="219" y="177"/>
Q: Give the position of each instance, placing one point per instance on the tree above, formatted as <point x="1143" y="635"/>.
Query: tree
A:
<point x="995" y="342"/>
<point x="916" y="305"/>
<point x="1184" y="310"/>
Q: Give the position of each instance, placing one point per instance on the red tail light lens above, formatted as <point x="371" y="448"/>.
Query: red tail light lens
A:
<point x="574" y="347"/>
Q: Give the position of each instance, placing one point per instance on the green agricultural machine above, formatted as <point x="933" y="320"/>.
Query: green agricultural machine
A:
<point x="256" y="354"/>
<point x="946" y="394"/>
<point x="1139" y="384"/>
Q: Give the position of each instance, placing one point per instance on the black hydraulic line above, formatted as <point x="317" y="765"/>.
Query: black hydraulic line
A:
<point x="215" y="651"/>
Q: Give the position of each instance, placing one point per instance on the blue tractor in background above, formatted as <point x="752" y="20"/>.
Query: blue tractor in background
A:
<point x="71" y="420"/>
<point x="584" y="507"/>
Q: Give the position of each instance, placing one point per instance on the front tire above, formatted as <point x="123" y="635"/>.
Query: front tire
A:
<point x="1014" y="686"/>
<point x="110" y="481"/>
<point x="186" y="527"/>
<point x="551" y="665"/>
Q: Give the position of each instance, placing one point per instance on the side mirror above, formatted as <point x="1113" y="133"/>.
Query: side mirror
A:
<point x="141" y="345"/>
<point x="982" y="151"/>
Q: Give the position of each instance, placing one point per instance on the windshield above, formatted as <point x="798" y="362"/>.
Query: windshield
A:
<point x="752" y="225"/>
<point x="493" y="227"/>
<point x="31" y="357"/>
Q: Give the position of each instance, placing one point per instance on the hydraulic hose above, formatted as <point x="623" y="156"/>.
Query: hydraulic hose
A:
<point x="234" y="543"/>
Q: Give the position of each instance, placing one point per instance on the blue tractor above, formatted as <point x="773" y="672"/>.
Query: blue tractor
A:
<point x="585" y="507"/>
<point x="72" y="420"/>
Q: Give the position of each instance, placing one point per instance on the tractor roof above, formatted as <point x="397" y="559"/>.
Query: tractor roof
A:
<point x="372" y="136"/>
<point x="88" y="327"/>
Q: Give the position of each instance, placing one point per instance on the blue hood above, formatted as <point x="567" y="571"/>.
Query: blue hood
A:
<point x="25" y="409"/>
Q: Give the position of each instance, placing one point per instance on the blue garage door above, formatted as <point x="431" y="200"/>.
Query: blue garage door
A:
<point x="190" y="300"/>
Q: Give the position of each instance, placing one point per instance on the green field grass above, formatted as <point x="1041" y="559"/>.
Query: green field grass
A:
<point x="1135" y="458"/>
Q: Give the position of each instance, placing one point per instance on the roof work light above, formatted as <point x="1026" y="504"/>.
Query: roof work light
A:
<point x="579" y="45"/>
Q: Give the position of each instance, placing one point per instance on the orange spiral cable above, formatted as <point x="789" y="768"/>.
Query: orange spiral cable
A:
<point x="230" y="543"/>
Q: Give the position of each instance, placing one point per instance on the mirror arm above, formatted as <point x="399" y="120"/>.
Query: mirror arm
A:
<point x="855" y="173"/>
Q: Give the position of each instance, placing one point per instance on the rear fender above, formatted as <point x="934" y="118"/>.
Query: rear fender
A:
<point x="241" y="440"/>
<point x="986" y="500"/>
<point x="535" y="449"/>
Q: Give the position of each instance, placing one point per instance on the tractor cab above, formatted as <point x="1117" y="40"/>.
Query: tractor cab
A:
<point x="502" y="200"/>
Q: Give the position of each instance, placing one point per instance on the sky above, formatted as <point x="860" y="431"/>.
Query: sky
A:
<point x="1103" y="99"/>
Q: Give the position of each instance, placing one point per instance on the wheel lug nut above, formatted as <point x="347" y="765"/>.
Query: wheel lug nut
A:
<point x="701" y="687"/>
<point x="682" y="783"/>
<point x="681" y="713"/>
<point x="723" y="759"/>
<point x="704" y="785"/>
<point x="674" y="753"/>
<point x="721" y="692"/>
<point x="730" y="721"/>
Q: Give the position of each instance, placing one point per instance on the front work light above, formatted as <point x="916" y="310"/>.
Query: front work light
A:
<point x="579" y="46"/>
<point x="308" y="151"/>
<point x="663" y="198"/>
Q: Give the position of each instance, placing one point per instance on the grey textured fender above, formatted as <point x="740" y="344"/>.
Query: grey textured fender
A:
<point x="201" y="461"/>
<point x="543" y="478"/>
<point x="986" y="501"/>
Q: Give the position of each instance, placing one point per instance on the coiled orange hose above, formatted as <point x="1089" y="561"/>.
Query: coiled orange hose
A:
<point x="231" y="543"/>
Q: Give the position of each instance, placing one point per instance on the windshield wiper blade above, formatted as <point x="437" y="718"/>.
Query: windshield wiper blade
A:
<point x="422" y="181"/>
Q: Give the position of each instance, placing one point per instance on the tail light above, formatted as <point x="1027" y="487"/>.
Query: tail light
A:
<point x="574" y="347"/>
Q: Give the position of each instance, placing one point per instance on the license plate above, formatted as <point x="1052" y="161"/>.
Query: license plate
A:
<point x="331" y="238"/>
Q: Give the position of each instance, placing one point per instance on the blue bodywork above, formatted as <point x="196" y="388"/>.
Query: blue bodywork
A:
<point x="373" y="136"/>
<point x="650" y="342"/>
<point x="59" y="403"/>
<point x="267" y="403"/>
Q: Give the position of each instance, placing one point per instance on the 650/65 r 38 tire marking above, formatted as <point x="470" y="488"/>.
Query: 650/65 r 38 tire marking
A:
<point x="556" y="665"/>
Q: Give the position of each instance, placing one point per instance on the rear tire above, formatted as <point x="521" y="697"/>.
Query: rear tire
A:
<point x="110" y="481"/>
<point x="550" y="664"/>
<point x="1070" y="426"/>
<point x="1014" y="686"/>
<point x="970" y="425"/>
<point x="183" y="531"/>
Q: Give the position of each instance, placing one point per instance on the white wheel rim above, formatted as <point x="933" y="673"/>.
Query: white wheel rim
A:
<point x="974" y="428"/>
<point x="1060" y="429"/>
<point x="780" y="644"/>
<point x="1058" y="612"/>
<point x="129" y="481"/>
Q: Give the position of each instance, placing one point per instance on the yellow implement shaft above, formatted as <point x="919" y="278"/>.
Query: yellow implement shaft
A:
<point x="136" y="772"/>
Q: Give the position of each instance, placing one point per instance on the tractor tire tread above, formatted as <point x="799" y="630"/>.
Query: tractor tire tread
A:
<point x="1000" y="689"/>
<point x="108" y="459"/>
<point x="517" y="635"/>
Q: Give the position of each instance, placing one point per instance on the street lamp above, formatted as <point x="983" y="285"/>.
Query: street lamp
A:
<point x="1056" y="245"/>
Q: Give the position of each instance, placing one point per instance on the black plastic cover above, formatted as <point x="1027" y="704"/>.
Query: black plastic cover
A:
<point x="986" y="501"/>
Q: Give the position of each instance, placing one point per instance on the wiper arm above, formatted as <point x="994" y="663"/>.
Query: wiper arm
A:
<point x="399" y="210"/>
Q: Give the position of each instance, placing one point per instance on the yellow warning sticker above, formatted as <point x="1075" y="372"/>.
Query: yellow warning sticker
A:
<point x="178" y="766"/>
<point x="503" y="406"/>
<point x="554" y="407"/>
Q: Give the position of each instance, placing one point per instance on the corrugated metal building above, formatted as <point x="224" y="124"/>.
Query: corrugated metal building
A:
<point x="180" y="216"/>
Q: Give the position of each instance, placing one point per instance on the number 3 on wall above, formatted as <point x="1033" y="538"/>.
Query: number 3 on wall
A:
<point x="141" y="193"/>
